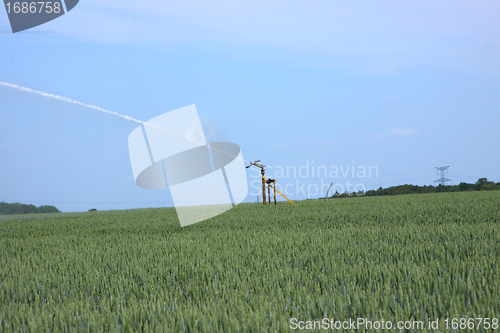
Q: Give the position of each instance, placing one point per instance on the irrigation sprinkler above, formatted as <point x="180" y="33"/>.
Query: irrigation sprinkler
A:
<point x="275" y="190"/>
<point x="263" y="173"/>
<point x="268" y="182"/>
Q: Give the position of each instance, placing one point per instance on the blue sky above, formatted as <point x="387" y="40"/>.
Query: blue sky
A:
<point x="405" y="86"/>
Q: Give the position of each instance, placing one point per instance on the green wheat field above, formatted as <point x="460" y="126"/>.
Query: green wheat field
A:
<point x="253" y="268"/>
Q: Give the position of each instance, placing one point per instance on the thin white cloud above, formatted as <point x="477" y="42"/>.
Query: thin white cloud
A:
<point x="397" y="132"/>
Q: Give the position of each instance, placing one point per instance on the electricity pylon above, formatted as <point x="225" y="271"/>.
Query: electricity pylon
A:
<point x="443" y="180"/>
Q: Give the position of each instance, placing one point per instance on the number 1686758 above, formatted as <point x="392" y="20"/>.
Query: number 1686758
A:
<point x="33" y="7"/>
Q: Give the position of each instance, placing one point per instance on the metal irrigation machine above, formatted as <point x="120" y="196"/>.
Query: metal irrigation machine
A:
<point x="268" y="182"/>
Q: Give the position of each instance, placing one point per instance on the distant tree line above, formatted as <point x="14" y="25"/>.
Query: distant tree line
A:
<point x="18" y="208"/>
<point x="482" y="184"/>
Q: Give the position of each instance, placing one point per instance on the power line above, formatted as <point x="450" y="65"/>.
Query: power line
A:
<point x="467" y="176"/>
<point x="401" y="180"/>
